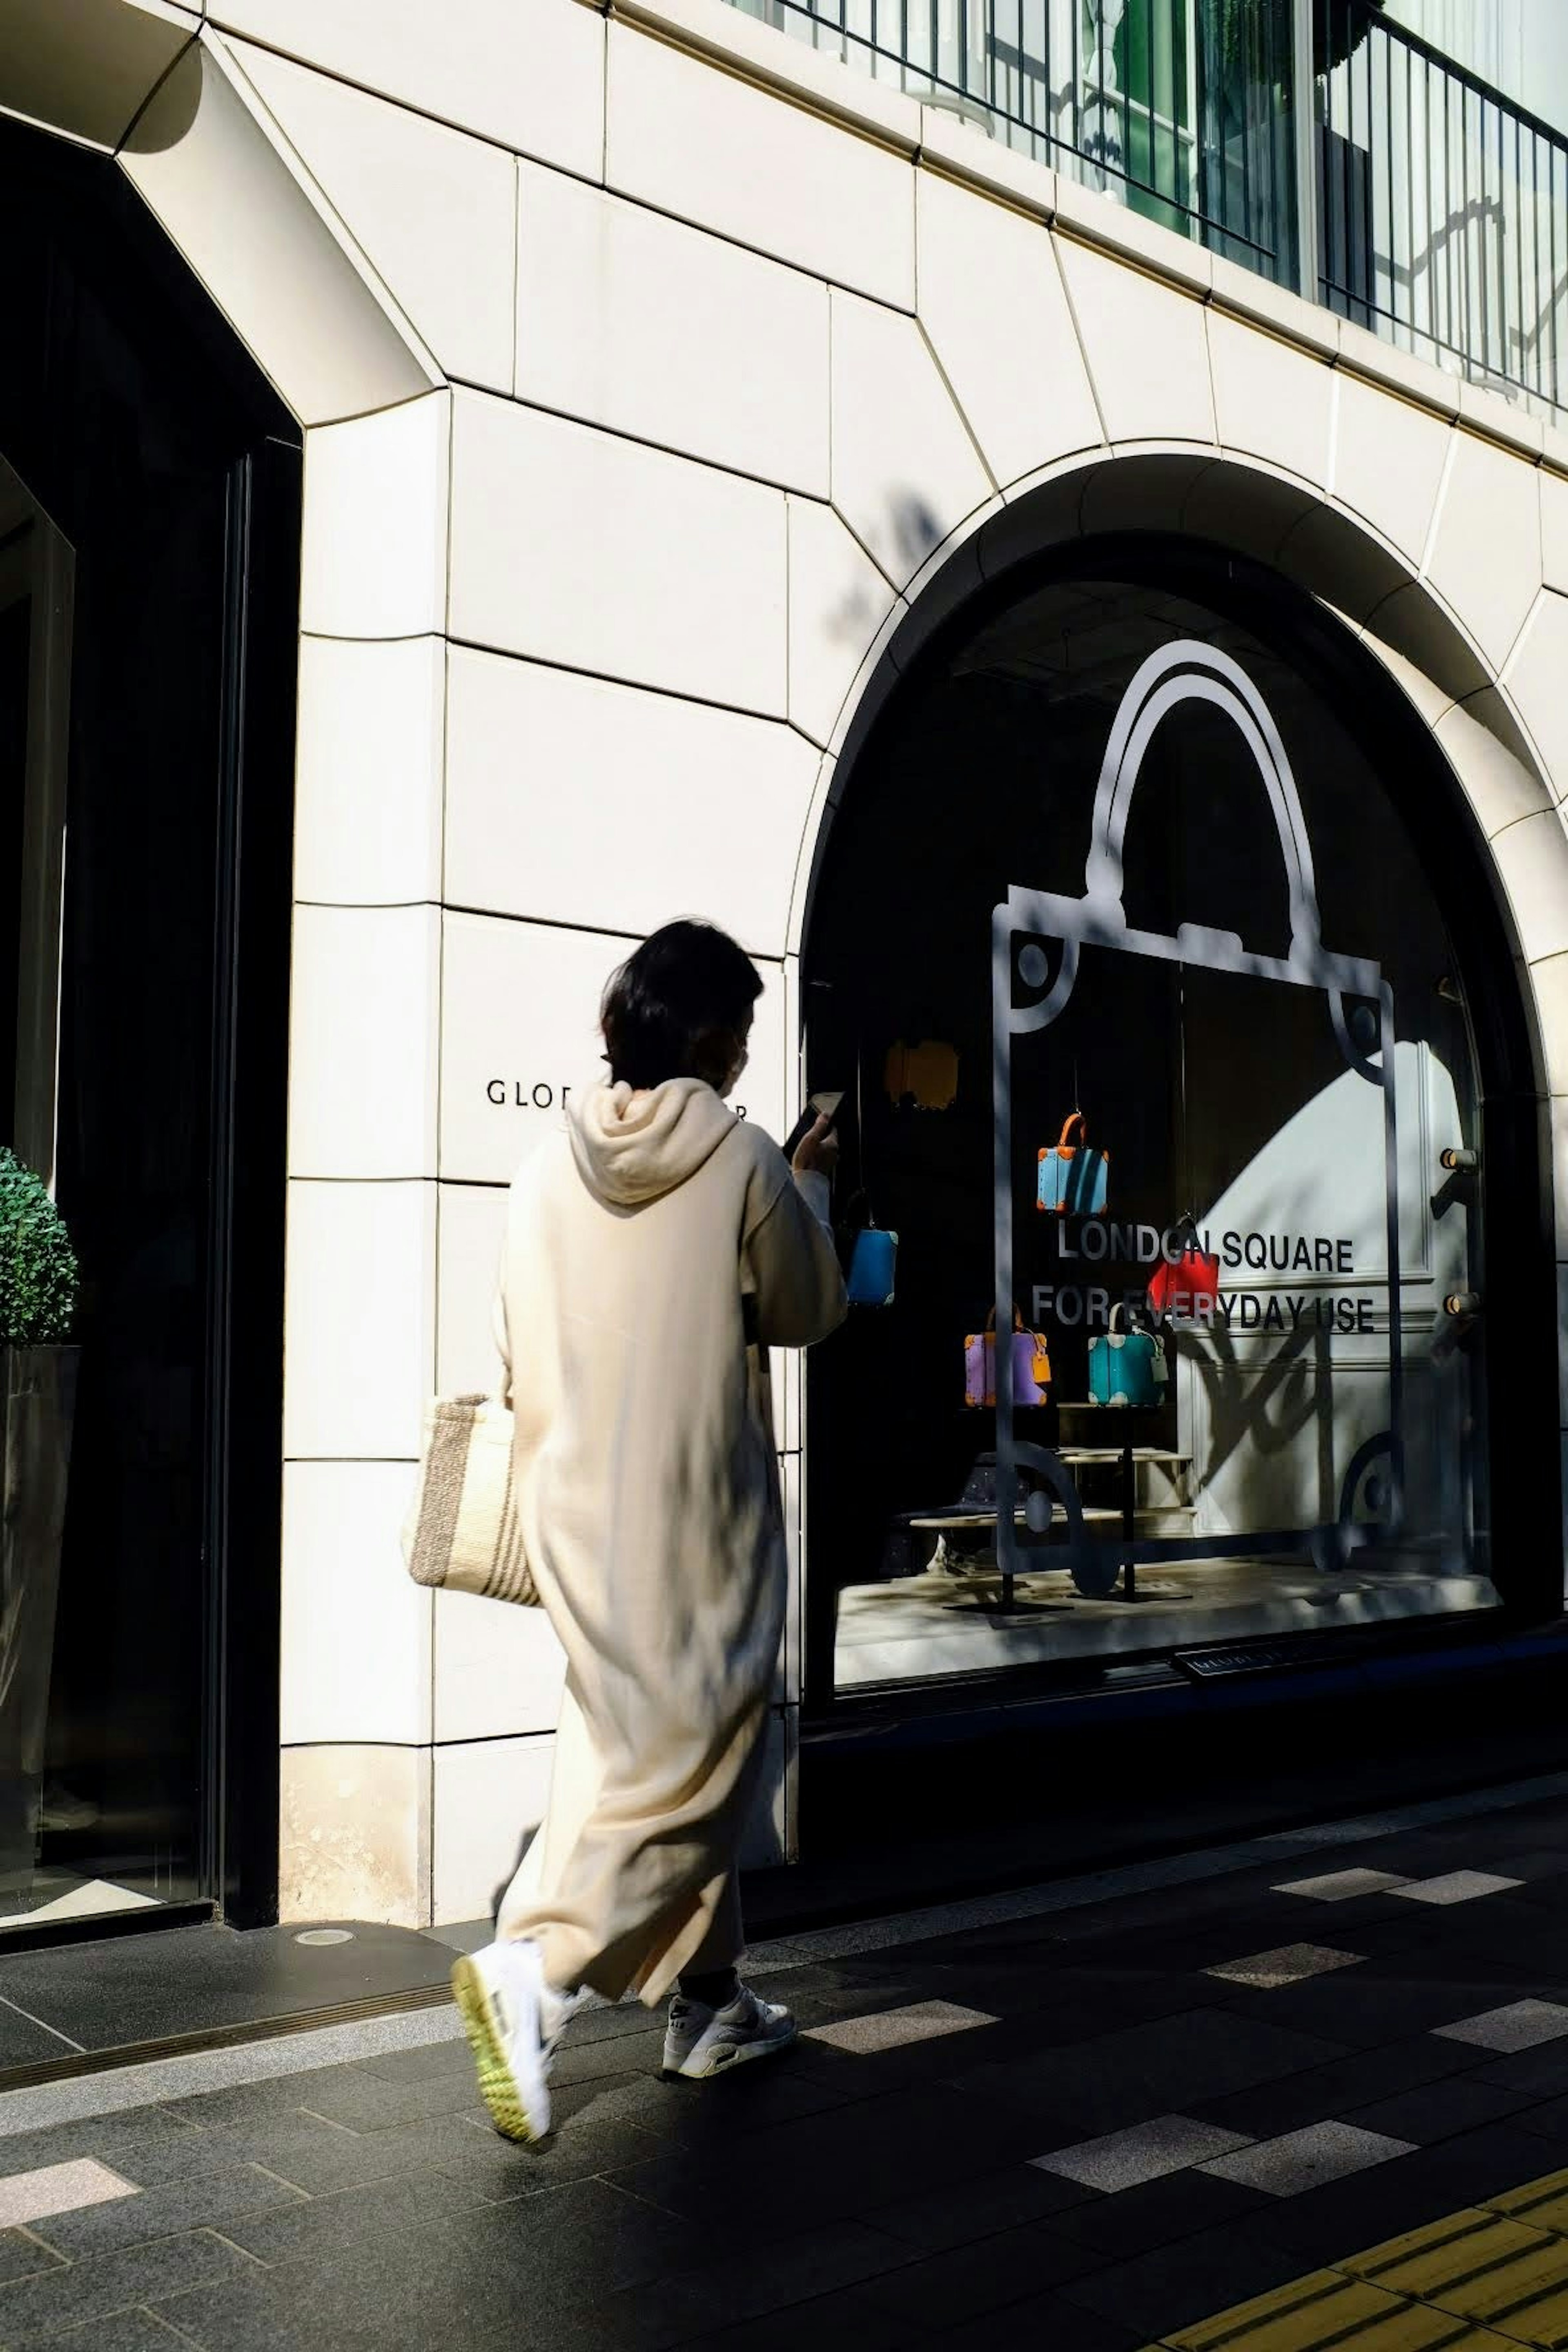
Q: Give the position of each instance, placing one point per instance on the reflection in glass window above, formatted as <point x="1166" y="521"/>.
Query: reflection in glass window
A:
<point x="1149" y="1022"/>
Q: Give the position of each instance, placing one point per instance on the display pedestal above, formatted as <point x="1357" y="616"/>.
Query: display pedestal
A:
<point x="1129" y="1419"/>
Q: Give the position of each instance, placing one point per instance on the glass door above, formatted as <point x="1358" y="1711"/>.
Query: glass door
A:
<point x="146" y="724"/>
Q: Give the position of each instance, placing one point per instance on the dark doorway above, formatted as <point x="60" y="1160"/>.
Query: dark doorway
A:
<point x="156" y="449"/>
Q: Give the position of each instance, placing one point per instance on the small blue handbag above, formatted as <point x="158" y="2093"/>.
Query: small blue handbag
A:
<point x="1072" y="1177"/>
<point x="872" y="1262"/>
<point x="1124" y="1366"/>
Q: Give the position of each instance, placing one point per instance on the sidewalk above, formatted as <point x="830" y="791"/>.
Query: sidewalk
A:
<point x="1086" y="2116"/>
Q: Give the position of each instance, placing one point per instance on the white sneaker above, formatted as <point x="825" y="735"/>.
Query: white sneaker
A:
<point x="513" y="2020"/>
<point x="700" y="2041"/>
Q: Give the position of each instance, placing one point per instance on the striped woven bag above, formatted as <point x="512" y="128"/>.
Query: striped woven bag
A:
<point x="463" y="1532"/>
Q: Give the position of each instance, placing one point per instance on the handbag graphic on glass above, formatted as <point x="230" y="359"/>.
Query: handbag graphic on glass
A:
<point x="1029" y="1356"/>
<point x="1072" y="1179"/>
<point x="1031" y="988"/>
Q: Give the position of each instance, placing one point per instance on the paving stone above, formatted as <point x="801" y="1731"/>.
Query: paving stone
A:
<point x="1173" y="2285"/>
<point x="203" y="2201"/>
<point x="1269" y="2108"/>
<point x="1543" y="2070"/>
<point x="243" y="2103"/>
<point x="147" y="2145"/>
<point x="1519" y="2025"/>
<point x="688" y="2114"/>
<point x="936" y="2058"/>
<point x="1161" y="2067"/>
<point x="1158" y="2214"/>
<point x="1483" y="2164"/>
<point x="1531" y="1863"/>
<point x="323" y="2226"/>
<point x="1342" y="1885"/>
<point x="1441" y="2110"/>
<point x="21" y="2255"/>
<point x="619" y="2053"/>
<point x="1455" y="1887"/>
<point x="785" y="2274"/>
<point x="1287" y="1964"/>
<point x="956" y="2212"/>
<point x="515" y="2273"/>
<point x="127" y="2331"/>
<point x="428" y="2062"/>
<point x="1043" y="2320"/>
<point x="1144" y="2152"/>
<point x="137" y="2274"/>
<point x="823" y="2167"/>
<point x="1128" y="1994"/>
<point x="366" y="2102"/>
<point x="1547" y="2117"/>
<point x="29" y="2197"/>
<point x="1306" y="2159"/>
<point x="1326" y="2224"/>
<point x="312" y="2154"/>
<point x="890" y="2029"/>
<point x="1360" y="2008"/>
<point x="844" y="2322"/>
<point x="985" y="2275"/>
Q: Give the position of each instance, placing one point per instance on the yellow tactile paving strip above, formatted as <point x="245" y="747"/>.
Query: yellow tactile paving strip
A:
<point x="1487" y="2279"/>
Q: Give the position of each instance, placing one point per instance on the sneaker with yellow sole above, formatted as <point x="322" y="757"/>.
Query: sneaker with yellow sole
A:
<point x="513" y="2020"/>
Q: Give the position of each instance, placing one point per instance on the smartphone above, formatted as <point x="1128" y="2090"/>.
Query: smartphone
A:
<point x="817" y="1106"/>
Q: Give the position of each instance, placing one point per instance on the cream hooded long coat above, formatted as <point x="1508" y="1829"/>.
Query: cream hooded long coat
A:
<point x="654" y="1252"/>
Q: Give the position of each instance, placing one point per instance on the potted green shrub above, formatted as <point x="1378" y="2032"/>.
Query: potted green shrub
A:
<point x="37" y="1396"/>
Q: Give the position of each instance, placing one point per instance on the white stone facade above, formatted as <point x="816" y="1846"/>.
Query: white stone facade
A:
<point x="655" y="374"/>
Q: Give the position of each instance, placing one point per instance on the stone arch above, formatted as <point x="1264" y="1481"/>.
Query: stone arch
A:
<point x="155" y="89"/>
<point x="1253" y="510"/>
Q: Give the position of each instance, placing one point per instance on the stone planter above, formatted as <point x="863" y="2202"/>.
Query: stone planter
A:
<point x="37" y="1397"/>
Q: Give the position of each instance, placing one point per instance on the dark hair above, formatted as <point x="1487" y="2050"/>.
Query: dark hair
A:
<point x="676" y="1005"/>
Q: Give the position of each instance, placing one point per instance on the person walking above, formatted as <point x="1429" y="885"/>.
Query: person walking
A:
<point x="655" y="1251"/>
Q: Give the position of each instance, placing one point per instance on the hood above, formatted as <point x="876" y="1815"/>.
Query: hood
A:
<point x="629" y="1150"/>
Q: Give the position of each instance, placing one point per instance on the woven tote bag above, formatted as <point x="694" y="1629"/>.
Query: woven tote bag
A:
<point x="463" y="1533"/>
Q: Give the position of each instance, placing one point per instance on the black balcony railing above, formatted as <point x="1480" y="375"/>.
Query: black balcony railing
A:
<point x="1441" y="209"/>
<point x="1183" y="113"/>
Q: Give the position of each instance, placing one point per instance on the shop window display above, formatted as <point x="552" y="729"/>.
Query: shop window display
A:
<point x="1152" y="1046"/>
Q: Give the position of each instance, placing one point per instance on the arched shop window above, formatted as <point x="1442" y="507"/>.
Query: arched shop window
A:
<point x="1160" y="1056"/>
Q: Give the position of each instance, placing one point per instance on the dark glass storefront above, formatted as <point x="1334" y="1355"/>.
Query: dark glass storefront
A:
<point x="152" y="799"/>
<point x="1185" y="1050"/>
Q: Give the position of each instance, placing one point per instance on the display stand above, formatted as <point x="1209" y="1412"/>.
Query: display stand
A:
<point x="1128" y="1592"/>
<point x="1133" y="1421"/>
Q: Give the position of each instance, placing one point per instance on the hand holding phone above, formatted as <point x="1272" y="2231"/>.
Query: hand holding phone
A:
<point x="817" y="1106"/>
